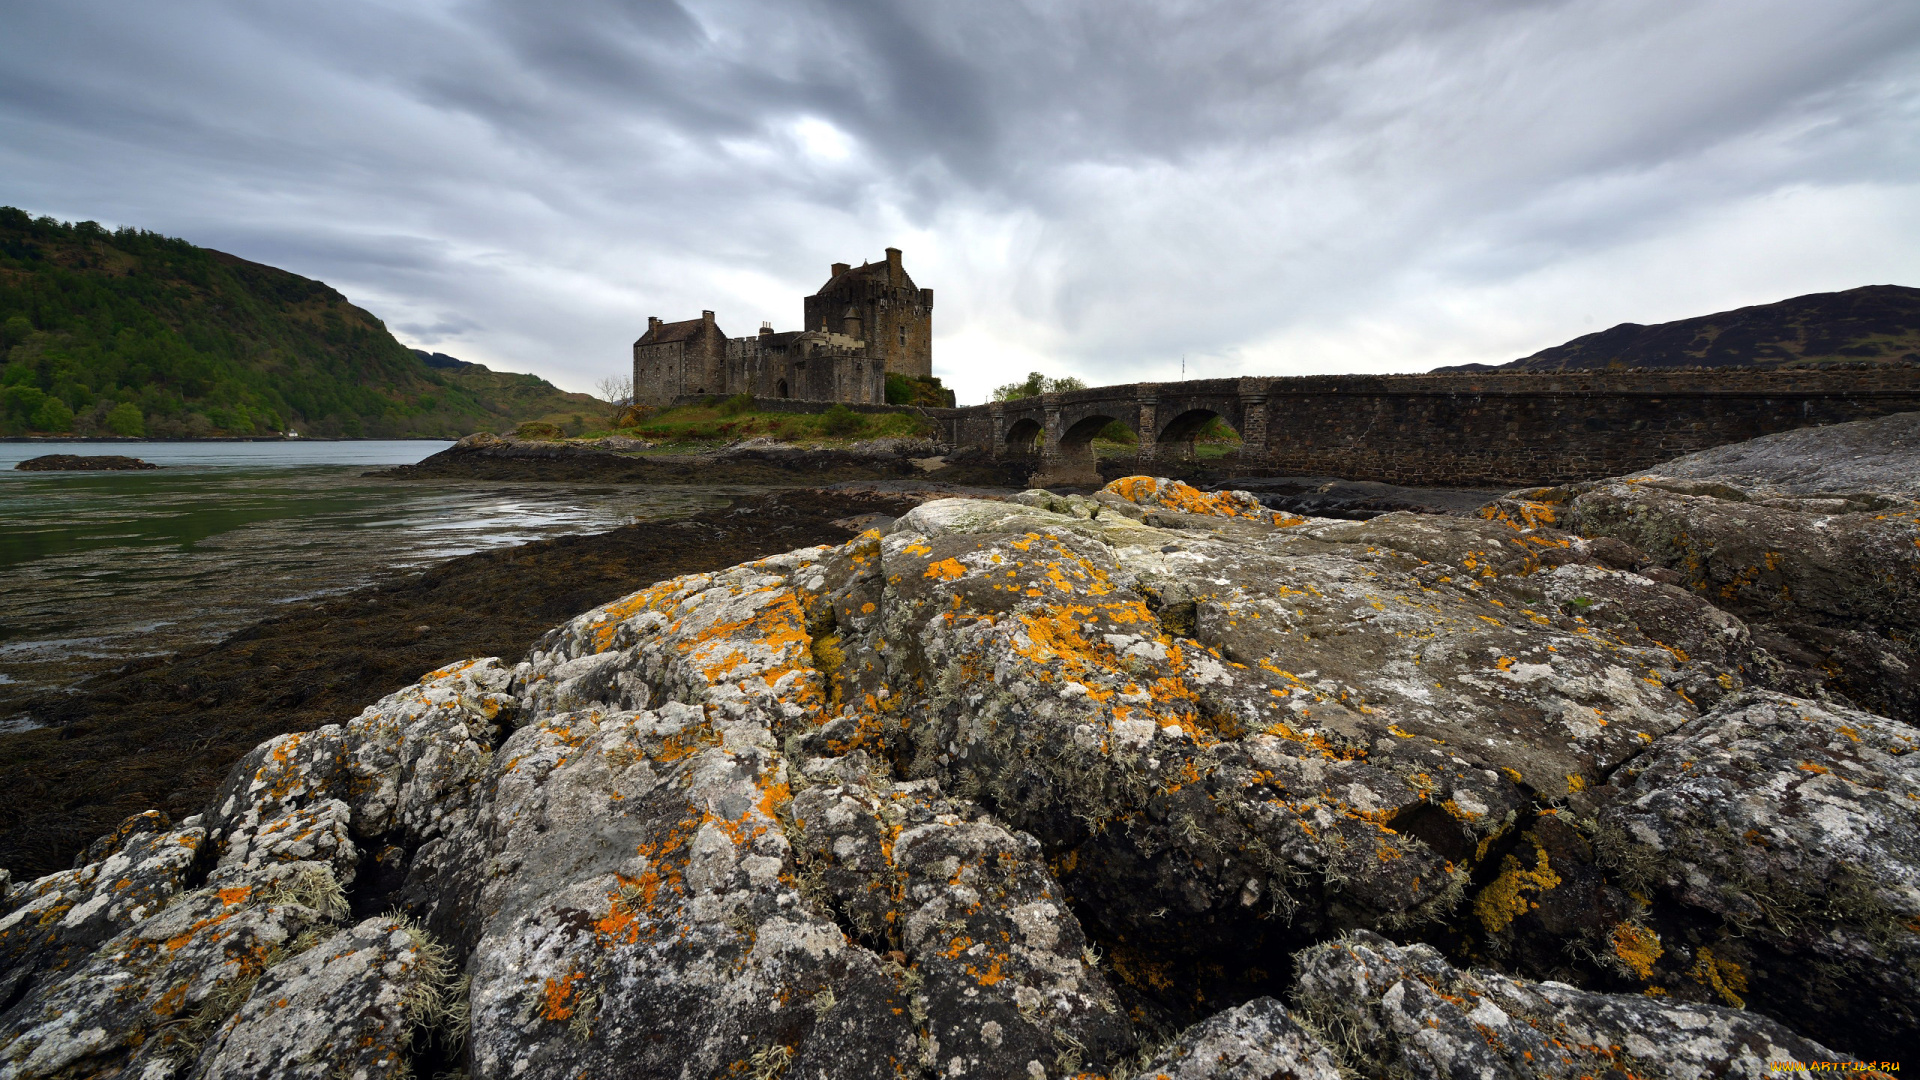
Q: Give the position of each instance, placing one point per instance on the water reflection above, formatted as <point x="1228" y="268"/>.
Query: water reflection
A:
<point x="98" y="568"/>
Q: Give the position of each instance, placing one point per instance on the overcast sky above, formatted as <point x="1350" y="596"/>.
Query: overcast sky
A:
<point x="1091" y="187"/>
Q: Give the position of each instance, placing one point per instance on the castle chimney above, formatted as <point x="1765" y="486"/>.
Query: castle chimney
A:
<point x="766" y="328"/>
<point x="707" y="317"/>
<point x="893" y="266"/>
<point x="653" y="322"/>
<point x="840" y="268"/>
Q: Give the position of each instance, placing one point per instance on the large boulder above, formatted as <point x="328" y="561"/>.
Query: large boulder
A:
<point x="1811" y="536"/>
<point x="1022" y="787"/>
<point x="1777" y="844"/>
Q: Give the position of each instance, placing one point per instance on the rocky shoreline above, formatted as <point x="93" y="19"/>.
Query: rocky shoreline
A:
<point x="1615" y="778"/>
<point x="759" y="461"/>
<point x="913" y="462"/>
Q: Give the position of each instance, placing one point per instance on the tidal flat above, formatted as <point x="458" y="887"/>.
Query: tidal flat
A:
<point x="100" y="569"/>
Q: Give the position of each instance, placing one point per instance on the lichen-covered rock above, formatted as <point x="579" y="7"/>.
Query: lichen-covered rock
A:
<point x="736" y="640"/>
<point x="346" y="1007"/>
<point x="1403" y="1011"/>
<point x="1329" y="720"/>
<point x="53" y="922"/>
<point x="991" y="790"/>
<point x="1831" y="581"/>
<point x="401" y="775"/>
<point x="1155" y="492"/>
<point x="640" y="916"/>
<point x="1880" y="456"/>
<point x="1003" y="973"/>
<point x="149" y="994"/>
<point x="257" y="851"/>
<point x="1256" y="1041"/>
<point x="406" y="763"/>
<point x="1845" y="558"/>
<point x="1779" y="840"/>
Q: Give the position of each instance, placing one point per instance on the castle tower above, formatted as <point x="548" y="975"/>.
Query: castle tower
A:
<point x="879" y="304"/>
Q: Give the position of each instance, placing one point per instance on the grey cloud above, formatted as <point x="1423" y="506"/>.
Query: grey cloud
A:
<point x="1091" y="185"/>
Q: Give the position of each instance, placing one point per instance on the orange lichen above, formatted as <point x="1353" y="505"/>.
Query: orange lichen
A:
<point x="1638" y="947"/>
<point x="1187" y="499"/>
<point x="1505" y="898"/>
<point x="946" y="570"/>
<point x="555" y="999"/>
<point x="1724" y="976"/>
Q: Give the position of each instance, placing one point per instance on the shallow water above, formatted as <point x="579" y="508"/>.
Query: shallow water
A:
<point x="99" y="568"/>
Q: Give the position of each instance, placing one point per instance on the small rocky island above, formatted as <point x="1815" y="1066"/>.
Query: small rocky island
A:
<point x="83" y="463"/>
<point x="1619" y="778"/>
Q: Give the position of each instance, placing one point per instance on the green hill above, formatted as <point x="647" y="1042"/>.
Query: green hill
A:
<point x="1875" y="324"/>
<point x="133" y="333"/>
<point x="515" y="397"/>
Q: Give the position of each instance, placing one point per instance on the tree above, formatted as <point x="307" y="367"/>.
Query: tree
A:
<point x="125" y="419"/>
<point x="1036" y="385"/>
<point x="52" y="415"/>
<point x="617" y="392"/>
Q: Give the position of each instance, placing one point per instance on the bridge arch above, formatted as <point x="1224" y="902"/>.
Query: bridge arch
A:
<point x="1179" y="431"/>
<point x="1023" y="437"/>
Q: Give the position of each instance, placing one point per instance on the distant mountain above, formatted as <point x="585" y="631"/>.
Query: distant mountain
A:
<point x="1874" y="324"/>
<point x="130" y="332"/>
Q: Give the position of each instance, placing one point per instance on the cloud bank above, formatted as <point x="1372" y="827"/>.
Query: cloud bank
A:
<point x="1098" y="188"/>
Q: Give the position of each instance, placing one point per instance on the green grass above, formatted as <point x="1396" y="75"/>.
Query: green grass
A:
<point x="726" y="420"/>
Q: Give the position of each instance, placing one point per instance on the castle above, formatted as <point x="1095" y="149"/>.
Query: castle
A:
<point x="864" y="322"/>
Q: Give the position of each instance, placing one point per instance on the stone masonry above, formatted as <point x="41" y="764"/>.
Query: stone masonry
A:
<point x="1450" y="430"/>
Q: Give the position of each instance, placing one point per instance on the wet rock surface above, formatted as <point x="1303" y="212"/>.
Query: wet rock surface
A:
<point x="1151" y="782"/>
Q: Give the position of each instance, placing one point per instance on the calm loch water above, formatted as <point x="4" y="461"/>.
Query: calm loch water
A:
<point x="99" y="568"/>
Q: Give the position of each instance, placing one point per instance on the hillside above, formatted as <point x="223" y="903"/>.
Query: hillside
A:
<point x="515" y="397"/>
<point x="1872" y="324"/>
<point x="133" y="333"/>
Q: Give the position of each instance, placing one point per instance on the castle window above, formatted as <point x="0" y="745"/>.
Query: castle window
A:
<point x="903" y="335"/>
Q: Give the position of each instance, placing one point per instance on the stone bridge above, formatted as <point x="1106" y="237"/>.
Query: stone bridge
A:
<point x="1504" y="429"/>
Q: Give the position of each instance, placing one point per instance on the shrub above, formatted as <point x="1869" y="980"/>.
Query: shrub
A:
<point x="737" y="404"/>
<point x="633" y="416"/>
<point x="924" y="391"/>
<point x="899" y="389"/>
<point x="539" y="430"/>
<point x="125" y="419"/>
<point x="841" y="421"/>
